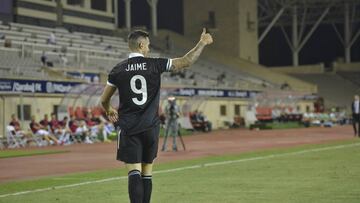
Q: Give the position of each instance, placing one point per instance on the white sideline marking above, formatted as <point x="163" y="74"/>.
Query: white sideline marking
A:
<point x="184" y="168"/>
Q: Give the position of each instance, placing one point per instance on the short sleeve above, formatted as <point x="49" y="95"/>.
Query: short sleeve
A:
<point x="111" y="79"/>
<point x="163" y="64"/>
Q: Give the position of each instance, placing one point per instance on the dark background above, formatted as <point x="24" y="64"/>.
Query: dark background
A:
<point x="324" y="45"/>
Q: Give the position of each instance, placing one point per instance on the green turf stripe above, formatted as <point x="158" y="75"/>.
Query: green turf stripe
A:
<point x="21" y="153"/>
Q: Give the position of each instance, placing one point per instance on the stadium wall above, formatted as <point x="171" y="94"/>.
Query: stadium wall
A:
<point x="304" y="69"/>
<point x="351" y="67"/>
<point x="211" y="108"/>
<point x="233" y="24"/>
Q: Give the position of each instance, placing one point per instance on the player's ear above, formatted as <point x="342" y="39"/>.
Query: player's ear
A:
<point x="141" y="45"/>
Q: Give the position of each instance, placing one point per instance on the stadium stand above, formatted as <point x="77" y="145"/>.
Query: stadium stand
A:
<point x="351" y="76"/>
<point x="100" y="53"/>
<point x="331" y="87"/>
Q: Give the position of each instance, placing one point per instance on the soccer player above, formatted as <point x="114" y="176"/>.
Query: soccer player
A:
<point x="138" y="81"/>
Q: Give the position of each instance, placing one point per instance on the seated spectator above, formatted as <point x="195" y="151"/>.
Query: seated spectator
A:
<point x="342" y="118"/>
<point x="52" y="38"/>
<point x="65" y="131"/>
<point x="108" y="48"/>
<point x="7" y="43"/>
<point x="238" y="122"/>
<point x="73" y="125"/>
<point x="192" y="76"/>
<point x="44" y="59"/>
<point x="63" y="49"/>
<point x="53" y="123"/>
<point x="14" y="122"/>
<point x="206" y="123"/>
<point x="60" y="133"/>
<point x="46" y="123"/>
<point x="306" y="119"/>
<point x="19" y="133"/>
<point x="82" y="132"/>
<point x="94" y="124"/>
<point x="316" y="119"/>
<point x="14" y="141"/>
<point x="200" y="122"/>
<point x="64" y="122"/>
<point x="194" y="116"/>
<point x="107" y="130"/>
<point x="63" y="59"/>
<point x="285" y="86"/>
<point x="221" y="78"/>
<point x="41" y="131"/>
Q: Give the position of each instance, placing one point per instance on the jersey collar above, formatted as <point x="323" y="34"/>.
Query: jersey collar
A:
<point x="131" y="55"/>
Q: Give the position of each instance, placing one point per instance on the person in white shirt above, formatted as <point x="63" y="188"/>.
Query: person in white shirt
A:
<point x="355" y="107"/>
<point x="52" y="38"/>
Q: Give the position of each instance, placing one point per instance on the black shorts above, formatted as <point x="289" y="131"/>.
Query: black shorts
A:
<point x="356" y="118"/>
<point x="138" y="148"/>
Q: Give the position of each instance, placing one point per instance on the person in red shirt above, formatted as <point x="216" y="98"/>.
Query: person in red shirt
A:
<point x="73" y="125"/>
<point x="54" y="123"/>
<point x="60" y="129"/>
<point x="45" y="123"/>
<point x="22" y="134"/>
<point x="14" y="122"/>
<point x="40" y="130"/>
<point x="64" y="122"/>
<point x="57" y="130"/>
<point x="94" y="125"/>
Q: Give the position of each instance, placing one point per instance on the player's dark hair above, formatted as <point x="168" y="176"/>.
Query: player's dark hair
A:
<point x="134" y="37"/>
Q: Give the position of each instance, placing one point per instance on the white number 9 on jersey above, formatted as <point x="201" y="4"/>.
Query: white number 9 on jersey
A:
<point x="142" y="90"/>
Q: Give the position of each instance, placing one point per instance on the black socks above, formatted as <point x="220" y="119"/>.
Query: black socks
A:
<point x="140" y="187"/>
<point x="147" y="183"/>
<point x="136" y="189"/>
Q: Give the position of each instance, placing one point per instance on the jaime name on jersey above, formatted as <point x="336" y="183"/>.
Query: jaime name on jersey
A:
<point x="136" y="67"/>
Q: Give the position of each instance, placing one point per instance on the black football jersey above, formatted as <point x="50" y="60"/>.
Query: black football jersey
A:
<point x="138" y="80"/>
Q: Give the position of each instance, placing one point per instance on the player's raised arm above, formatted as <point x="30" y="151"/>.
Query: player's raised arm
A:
<point x="190" y="58"/>
<point x="105" y="103"/>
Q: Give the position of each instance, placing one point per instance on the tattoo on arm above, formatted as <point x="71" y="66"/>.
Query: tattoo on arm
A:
<point x="194" y="54"/>
<point x="189" y="58"/>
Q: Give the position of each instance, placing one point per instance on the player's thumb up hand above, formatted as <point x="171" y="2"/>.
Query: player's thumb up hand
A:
<point x="206" y="38"/>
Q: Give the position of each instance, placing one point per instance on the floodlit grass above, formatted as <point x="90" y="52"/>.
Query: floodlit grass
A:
<point x="287" y="125"/>
<point x="18" y="153"/>
<point x="311" y="173"/>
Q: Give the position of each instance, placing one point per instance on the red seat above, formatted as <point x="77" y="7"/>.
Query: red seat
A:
<point x="263" y="113"/>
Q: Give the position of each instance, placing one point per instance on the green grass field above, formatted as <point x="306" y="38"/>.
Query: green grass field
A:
<point x="18" y="153"/>
<point x="288" y="125"/>
<point x="312" y="173"/>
